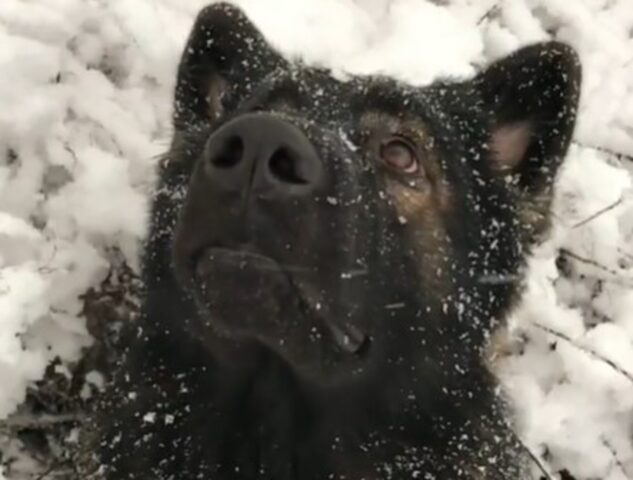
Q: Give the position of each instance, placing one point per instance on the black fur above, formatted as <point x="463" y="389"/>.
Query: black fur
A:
<point x="234" y="375"/>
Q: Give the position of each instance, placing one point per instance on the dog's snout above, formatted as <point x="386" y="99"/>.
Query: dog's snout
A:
<point x="264" y="153"/>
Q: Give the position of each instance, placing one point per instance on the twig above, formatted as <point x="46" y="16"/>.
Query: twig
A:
<point x="625" y="281"/>
<point x="599" y="213"/>
<point x="587" y="261"/>
<point x="491" y="11"/>
<point x="616" y="459"/>
<point x="606" y="150"/>
<point x="625" y="253"/>
<point x="589" y="351"/>
<point x="21" y="421"/>
<point x="53" y="470"/>
<point x="72" y="154"/>
<point x="48" y="471"/>
<point x="538" y="462"/>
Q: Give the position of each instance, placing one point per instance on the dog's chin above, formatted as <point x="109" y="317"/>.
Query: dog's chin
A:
<point x="242" y="290"/>
<point x="247" y="294"/>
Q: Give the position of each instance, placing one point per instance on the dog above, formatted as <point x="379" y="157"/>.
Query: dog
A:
<point x="327" y="265"/>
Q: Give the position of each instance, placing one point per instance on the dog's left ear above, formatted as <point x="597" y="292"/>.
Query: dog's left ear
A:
<point x="531" y="97"/>
<point x="224" y="58"/>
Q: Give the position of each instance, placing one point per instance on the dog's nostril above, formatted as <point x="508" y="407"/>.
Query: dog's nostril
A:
<point x="283" y="165"/>
<point x="231" y="153"/>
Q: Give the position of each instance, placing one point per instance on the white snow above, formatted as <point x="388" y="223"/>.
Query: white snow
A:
<point x="84" y="111"/>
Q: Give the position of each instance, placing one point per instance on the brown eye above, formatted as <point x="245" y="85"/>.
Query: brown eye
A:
<point x="399" y="154"/>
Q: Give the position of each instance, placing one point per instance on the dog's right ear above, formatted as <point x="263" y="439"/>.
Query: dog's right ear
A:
<point x="225" y="57"/>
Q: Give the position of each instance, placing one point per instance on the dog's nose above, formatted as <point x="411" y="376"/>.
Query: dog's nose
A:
<point x="264" y="153"/>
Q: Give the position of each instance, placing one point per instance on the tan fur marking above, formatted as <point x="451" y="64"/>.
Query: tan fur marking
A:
<point x="409" y="203"/>
<point x="432" y="200"/>
<point x="499" y="347"/>
<point x="508" y="145"/>
<point x="422" y="212"/>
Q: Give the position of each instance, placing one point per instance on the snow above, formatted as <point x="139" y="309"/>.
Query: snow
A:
<point x="85" y="95"/>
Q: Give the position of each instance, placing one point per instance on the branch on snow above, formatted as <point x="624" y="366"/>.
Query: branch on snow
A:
<point x="599" y="213"/>
<point x="589" y="351"/>
<point x="616" y="276"/>
<point x="616" y="458"/>
<point x="41" y="422"/>
<point x="491" y="12"/>
<point x="608" y="151"/>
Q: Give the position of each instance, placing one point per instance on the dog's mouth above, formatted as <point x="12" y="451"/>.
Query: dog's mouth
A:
<point x="248" y="271"/>
<point x="251" y="294"/>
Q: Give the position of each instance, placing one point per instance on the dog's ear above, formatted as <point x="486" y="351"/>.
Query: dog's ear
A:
<point x="532" y="99"/>
<point x="224" y="58"/>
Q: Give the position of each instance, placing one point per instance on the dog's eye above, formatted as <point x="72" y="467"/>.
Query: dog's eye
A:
<point x="398" y="153"/>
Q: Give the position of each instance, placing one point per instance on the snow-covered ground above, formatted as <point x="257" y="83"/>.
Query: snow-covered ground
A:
<point x="85" y="90"/>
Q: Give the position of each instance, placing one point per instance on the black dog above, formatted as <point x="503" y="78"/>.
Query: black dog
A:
<point x="326" y="265"/>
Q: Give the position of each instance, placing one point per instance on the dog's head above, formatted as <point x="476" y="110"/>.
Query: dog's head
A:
<point x="357" y="224"/>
